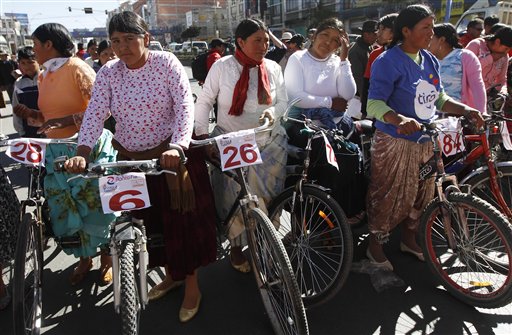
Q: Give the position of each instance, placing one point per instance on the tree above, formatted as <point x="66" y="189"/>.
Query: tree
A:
<point x="190" y="32"/>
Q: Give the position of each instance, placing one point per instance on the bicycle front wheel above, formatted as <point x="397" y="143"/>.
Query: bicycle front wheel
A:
<point x="28" y="272"/>
<point x="130" y="304"/>
<point x="274" y="276"/>
<point x="317" y="237"/>
<point x="477" y="269"/>
<point x="481" y="186"/>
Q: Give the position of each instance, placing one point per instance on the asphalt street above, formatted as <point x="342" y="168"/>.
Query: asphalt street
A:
<point x="231" y="302"/>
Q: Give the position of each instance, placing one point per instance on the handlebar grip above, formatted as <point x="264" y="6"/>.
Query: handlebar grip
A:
<point x="183" y="158"/>
<point x="58" y="163"/>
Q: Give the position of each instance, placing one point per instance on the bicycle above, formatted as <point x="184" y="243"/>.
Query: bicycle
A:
<point x="313" y="227"/>
<point x="28" y="260"/>
<point x="273" y="272"/>
<point x="128" y="241"/>
<point x="466" y="242"/>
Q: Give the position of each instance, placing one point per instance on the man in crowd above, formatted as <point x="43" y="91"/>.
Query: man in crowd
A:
<point x="473" y="30"/>
<point x="360" y="50"/>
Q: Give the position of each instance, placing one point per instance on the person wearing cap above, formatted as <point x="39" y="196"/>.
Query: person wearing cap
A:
<point x="360" y="51"/>
<point x="492" y="52"/>
<point x="473" y="30"/>
<point x="281" y="54"/>
<point x="217" y="49"/>
<point x="384" y="38"/>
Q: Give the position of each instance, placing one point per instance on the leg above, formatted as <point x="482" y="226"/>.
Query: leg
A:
<point x="83" y="268"/>
<point x="164" y="286"/>
<point x="105" y="267"/>
<point x="192" y="298"/>
<point x="237" y="257"/>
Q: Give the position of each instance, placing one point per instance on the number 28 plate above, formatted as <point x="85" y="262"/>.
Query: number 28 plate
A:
<point x="28" y="151"/>
<point x="238" y="149"/>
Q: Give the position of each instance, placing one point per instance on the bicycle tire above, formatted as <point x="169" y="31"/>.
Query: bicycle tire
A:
<point x="28" y="277"/>
<point x="321" y="250"/>
<point x="274" y="276"/>
<point x="130" y="302"/>
<point x="479" y="272"/>
<point x="481" y="186"/>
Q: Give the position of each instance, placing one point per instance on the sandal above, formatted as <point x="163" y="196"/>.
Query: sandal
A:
<point x="77" y="277"/>
<point x="105" y="275"/>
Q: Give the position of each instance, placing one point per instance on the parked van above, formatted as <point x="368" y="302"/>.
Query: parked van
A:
<point x="200" y="45"/>
<point x="174" y="47"/>
<point x="481" y="9"/>
<point x="155" y="45"/>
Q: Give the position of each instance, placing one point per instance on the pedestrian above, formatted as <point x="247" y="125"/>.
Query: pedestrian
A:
<point x="81" y="52"/>
<point x="489" y="22"/>
<point x="105" y="53"/>
<point x="384" y="38"/>
<point x="148" y="93"/>
<point x="460" y="70"/>
<point x="492" y="52"/>
<point x="360" y="50"/>
<point x="64" y="91"/>
<point x="7" y="73"/>
<point x="405" y="72"/>
<point x="92" y="52"/>
<point x="9" y="223"/>
<point x="26" y="93"/>
<point x="284" y="48"/>
<point x="473" y="30"/>
<point x="247" y="88"/>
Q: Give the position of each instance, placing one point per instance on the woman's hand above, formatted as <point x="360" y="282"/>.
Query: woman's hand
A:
<point x="24" y="112"/>
<point x="267" y="114"/>
<point x="170" y="160"/>
<point x="339" y="104"/>
<point x="75" y="164"/>
<point x="475" y="117"/>
<point x="407" y="125"/>
<point x="344" y="46"/>
<point x="56" y="124"/>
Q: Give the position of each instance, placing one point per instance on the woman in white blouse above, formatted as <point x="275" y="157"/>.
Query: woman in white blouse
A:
<point x="247" y="87"/>
<point x="321" y="79"/>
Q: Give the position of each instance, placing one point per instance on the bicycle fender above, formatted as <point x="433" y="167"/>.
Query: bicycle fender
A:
<point x="482" y="169"/>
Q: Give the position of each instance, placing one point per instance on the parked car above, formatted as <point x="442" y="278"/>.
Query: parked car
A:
<point x="174" y="47"/>
<point x="200" y="45"/>
<point x="155" y="45"/>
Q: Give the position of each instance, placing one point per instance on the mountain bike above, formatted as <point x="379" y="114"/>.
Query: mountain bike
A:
<point x="312" y="225"/>
<point x="467" y="243"/>
<point x="122" y="188"/>
<point x="33" y="231"/>
<point x="274" y="275"/>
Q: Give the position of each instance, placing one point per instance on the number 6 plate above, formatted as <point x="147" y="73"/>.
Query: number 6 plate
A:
<point x="124" y="192"/>
<point x="238" y="149"/>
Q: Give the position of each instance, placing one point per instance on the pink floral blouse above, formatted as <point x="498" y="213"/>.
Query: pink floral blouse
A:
<point x="149" y="104"/>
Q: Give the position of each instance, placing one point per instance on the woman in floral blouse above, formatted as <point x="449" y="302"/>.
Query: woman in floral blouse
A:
<point x="149" y="96"/>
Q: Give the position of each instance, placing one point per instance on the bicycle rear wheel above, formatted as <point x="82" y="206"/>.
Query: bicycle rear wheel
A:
<point x="28" y="272"/>
<point x="478" y="270"/>
<point x="274" y="276"/>
<point x="481" y="186"/>
<point x="317" y="237"/>
<point x="130" y="303"/>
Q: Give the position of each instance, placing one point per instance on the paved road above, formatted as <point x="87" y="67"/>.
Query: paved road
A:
<point x="231" y="304"/>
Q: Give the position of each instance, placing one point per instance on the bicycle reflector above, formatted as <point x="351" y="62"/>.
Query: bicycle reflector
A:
<point x="329" y="222"/>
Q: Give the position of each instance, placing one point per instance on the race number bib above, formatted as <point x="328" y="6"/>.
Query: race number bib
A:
<point x="238" y="149"/>
<point x="329" y="152"/>
<point x="124" y="192"/>
<point x="29" y="151"/>
<point x="451" y="137"/>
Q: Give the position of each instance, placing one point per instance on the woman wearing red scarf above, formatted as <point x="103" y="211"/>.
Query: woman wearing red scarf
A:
<point x="247" y="87"/>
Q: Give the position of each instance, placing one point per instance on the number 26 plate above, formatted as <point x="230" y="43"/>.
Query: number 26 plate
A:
<point x="238" y="149"/>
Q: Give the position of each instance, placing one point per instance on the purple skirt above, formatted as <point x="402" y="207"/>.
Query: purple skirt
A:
<point x="190" y="238"/>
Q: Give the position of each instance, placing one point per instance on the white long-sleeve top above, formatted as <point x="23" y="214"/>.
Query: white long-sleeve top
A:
<point x="220" y="84"/>
<point x="149" y="104"/>
<point x="316" y="81"/>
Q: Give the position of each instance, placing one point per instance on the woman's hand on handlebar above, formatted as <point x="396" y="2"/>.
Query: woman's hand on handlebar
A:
<point x="407" y="125"/>
<point x="339" y="104"/>
<point x="267" y="114"/>
<point x="475" y="117"/>
<point x="170" y="160"/>
<point x="75" y="164"/>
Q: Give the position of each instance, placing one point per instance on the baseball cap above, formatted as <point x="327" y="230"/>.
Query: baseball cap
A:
<point x="369" y="26"/>
<point x="217" y="42"/>
<point x="286" y="36"/>
<point x="297" y="39"/>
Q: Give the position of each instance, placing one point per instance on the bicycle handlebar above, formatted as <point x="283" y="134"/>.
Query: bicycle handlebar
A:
<point x="207" y="141"/>
<point x="67" y="140"/>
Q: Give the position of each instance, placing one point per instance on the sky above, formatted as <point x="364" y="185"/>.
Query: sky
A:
<point x="44" y="11"/>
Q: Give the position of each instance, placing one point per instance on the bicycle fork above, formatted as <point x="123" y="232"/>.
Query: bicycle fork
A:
<point x="127" y="228"/>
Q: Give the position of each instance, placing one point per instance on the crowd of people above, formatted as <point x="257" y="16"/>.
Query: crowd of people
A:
<point x="147" y="97"/>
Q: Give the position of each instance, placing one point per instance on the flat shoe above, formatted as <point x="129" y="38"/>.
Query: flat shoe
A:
<point x="245" y="267"/>
<point x="187" y="314"/>
<point x="404" y="248"/>
<point x="77" y="277"/>
<point x="386" y="265"/>
<point x="155" y="293"/>
<point x="106" y="276"/>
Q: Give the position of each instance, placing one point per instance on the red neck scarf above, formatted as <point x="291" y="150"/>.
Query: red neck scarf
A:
<point x="240" y="93"/>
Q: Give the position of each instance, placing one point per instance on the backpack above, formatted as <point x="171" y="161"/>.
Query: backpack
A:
<point x="199" y="68"/>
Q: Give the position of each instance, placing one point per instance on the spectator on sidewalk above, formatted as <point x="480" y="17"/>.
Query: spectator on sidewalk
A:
<point x="26" y="92"/>
<point x="474" y="30"/>
<point x="7" y="73"/>
<point x="81" y="52"/>
<point x="489" y="22"/>
<point x="284" y="48"/>
<point x="360" y="50"/>
<point x="92" y="52"/>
